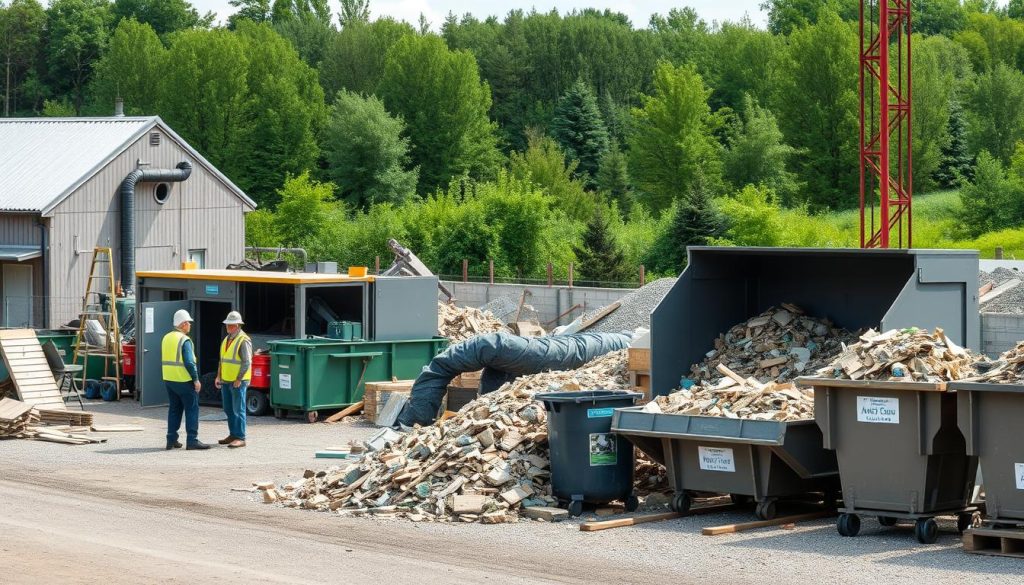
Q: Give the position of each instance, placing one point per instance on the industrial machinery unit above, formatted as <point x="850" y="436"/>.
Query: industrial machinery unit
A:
<point x="275" y="306"/>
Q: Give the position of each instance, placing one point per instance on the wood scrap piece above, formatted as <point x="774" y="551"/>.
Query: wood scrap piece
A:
<point x="599" y="315"/>
<point x="115" y="428"/>
<point x="732" y="528"/>
<point x="346" y="412"/>
<point x="643" y="519"/>
<point x="389" y="414"/>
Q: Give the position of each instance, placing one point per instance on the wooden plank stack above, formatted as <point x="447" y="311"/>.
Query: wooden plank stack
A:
<point x="75" y="418"/>
<point x="485" y="464"/>
<point x="376" y="396"/>
<point x="15" y="419"/>
<point x="905" y="355"/>
<point x="638" y="363"/>
<point x="33" y="379"/>
<point x="776" y="346"/>
<point x="459" y="324"/>
<point x="737" y="397"/>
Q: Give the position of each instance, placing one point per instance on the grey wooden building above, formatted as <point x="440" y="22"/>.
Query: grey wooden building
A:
<point x="68" y="185"/>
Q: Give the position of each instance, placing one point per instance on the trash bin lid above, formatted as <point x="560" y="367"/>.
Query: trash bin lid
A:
<point x="582" y="396"/>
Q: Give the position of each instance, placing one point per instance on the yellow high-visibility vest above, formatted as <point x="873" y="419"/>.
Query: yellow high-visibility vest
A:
<point x="230" y="359"/>
<point x="173" y="363"/>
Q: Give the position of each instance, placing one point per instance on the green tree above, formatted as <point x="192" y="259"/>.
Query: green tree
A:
<point x="367" y="155"/>
<point x="758" y="155"/>
<point x="439" y="94"/>
<point x="992" y="201"/>
<point x="165" y="16"/>
<point x="613" y="176"/>
<point x="599" y="256"/>
<point x="996" y="112"/>
<point x="354" y="11"/>
<point x="1015" y="9"/>
<point x="21" y="28"/>
<point x="309" y="35"/>
<point x="817" y="105"/>
<point x="682" y="34"/>
<point x="254" y="10"/>
<point x="131" y="69"/>
<point x="57" y="109"/>
<point x="306" y="210"/>
<point x="786" y="16"/>
<point x="939" y="17"/>
<point x="956" y="162"/>
<point x="695" y="222"/>
<point x="940" y="65"/>
<point x="743" y="60"/>
<point x="77" y="33"/>
<point x="354" y="58"/>
<point x="543" y="164"/>
<point x="579" y="129"/>
<point x="671" y="143"/>
<point x="285" y="109"/>
<point x="753" y="216"/>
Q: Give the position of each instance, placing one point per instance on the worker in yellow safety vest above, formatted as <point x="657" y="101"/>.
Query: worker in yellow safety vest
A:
<point x="181" y="376"/>
<point x="233" y="377"/>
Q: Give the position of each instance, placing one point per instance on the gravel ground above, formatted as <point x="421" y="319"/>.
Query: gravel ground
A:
<point x="635" y="310"/>
<point x="131" y="512"/>
<point x="1011" y="301"/>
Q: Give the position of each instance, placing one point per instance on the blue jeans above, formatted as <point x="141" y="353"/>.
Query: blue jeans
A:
<point x="182" y="399"/>
<point x="233" y="400"/>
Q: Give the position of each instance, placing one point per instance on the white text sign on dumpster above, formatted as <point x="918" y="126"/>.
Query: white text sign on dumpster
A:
<point x="716" y="459"/>
<point x="878" y="410"/>
<point x="1018" y="474"/>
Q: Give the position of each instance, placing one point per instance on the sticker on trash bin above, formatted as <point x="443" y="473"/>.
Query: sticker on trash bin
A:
<point x="716" y="459"/>
<point x="1018" y="474"/>
<point x="284" y="381"/>
<point x="878" y="410"/>
<point x="603" y="449"/>
<point x="600" y="412"/>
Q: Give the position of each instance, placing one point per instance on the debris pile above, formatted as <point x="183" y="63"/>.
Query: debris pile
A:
<point x="459" y="324"/>
<point x="736" y="397"/>
<point x="776" y="346"/>
<point x="16" y="417"/>
<point x="904" y="355"/>
<point x="486" y="464"/>
<point x="1008" y="369"/>
<point x="508" y="309"/>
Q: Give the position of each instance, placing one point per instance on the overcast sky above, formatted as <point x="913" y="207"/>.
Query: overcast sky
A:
<point x="639" y="11"/>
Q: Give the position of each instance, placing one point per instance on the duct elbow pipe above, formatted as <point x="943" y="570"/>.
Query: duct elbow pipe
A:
<point x="180" y="173"/>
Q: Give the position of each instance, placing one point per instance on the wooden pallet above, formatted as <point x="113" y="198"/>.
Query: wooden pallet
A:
<point x="26" y="362"/>
<point x="375" y="396"/>
<point x="994" y="541"/>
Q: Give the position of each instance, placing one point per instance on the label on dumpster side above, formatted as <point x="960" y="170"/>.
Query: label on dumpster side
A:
<point x="600" y="412"/>
<point x="284" y="381"/>
<point x="213" y="289"/>
<point x="604" y="449"/>
<point x="878" y="410"/>
<point x="1018" y="474"/>
<point x="716" y="459"/>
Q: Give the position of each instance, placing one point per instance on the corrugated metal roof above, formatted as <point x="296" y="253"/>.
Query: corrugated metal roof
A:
<point x="43" y="160"/>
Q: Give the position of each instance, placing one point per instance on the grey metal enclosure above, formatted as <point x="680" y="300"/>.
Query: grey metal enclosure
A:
<point x="853" y="288"/>
<point x="990" y="416"/>
<point x="275" y="306"/>
<point x="748" y="459"/>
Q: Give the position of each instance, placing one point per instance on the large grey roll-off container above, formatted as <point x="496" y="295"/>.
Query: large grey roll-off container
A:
<point x="990" y="417"/>
<point x="588" y="462"/>
<point x="855" y="289"/>
<point x="900" y="452"/>
<point x="757" y="460"/>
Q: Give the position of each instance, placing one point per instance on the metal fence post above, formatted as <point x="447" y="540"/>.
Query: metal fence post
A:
<point x="490" y="269"/>
<point x="570" y="275"/>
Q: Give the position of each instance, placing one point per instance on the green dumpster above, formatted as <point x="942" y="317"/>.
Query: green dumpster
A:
<point x="308" y="375"/>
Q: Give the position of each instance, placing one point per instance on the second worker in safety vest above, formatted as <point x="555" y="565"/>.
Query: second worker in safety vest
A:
<point x="233" y="376"/>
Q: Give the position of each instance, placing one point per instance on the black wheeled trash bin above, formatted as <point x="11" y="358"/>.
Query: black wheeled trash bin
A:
<point x="901" y="455"/>
<point x="589" y="463"/>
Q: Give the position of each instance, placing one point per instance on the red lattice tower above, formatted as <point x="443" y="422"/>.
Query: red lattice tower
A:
<point x="886" y="167"/>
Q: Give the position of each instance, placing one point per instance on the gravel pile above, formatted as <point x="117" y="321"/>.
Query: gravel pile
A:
<point x="1011" y="301"/>
<point x="635" y="310"/>
<point x="504" y="309"/>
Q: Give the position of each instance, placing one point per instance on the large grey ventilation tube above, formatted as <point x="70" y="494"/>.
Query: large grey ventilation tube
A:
<point x="175" y="175"/>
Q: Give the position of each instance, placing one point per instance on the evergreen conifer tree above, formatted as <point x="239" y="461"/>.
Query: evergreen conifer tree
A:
<point x="956" y="162"/>
<point x="580" y="130"/>
<point x="600" y="258"/>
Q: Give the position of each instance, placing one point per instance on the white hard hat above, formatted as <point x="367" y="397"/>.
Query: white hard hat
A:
<point x="234" y="318"/>
<point x="181" y="316"/>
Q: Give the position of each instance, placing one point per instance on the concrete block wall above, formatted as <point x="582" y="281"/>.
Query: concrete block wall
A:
<point x="549" y="302"/>
<point x="1000" y="332"/>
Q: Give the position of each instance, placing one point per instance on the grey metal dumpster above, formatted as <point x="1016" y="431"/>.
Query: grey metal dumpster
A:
<point x="901" y="455"/>
<point x="747" y="459"/>
<point x="990" y="416"/>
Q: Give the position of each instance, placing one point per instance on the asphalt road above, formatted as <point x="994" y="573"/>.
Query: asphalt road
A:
<point x="127" y="511"/>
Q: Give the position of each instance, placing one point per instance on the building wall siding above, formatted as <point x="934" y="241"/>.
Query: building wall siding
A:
<point x="18" y="229"/>
<point x="201" y="213"/>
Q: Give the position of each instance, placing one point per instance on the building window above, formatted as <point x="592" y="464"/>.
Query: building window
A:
<point x="162" y="193"/>
<point x="154" y="139"/>
<point x="197" y="256"/>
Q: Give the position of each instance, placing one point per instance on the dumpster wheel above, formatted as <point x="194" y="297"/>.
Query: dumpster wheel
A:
<point x="848" y="525"/>
<point x="312" y="416"/>
<point x="681" y="503"/>
<point x="765" y="510"/>
<point x="632" y="503"/>
<point x="926" y="530"/>
<point x="280" y="413"/>
<point x="965" y="520"/>
<point x="887" y="521"/>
